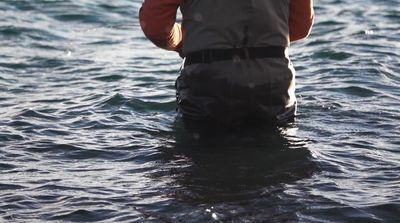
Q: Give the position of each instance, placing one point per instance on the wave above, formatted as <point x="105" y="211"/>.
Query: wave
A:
<point x="139" y="105"/>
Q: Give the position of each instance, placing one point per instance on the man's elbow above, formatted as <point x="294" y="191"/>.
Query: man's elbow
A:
<point x="299" y="34"/>
<point x="159" y="38"/>
<point x="156" y="36"/>
<point x="153" y="32"/>
<point x="303" y="30"/>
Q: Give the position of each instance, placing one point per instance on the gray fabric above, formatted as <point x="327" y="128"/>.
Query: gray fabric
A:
<point x="223" y="24"/>
<point x="233" y="90"/>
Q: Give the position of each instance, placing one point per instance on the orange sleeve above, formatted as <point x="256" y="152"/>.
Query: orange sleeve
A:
<point x="157" y="19"/>
<point x="301" y="19"/>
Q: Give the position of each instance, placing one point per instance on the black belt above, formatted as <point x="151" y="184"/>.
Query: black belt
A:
<point x="212" y="55"/>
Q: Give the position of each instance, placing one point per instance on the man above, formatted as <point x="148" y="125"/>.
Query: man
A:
<point x="236" y="65"/>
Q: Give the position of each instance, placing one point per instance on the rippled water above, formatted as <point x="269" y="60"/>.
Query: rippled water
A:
<point x="88" y="127"/>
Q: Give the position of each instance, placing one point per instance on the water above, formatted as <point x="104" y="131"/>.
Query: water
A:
<point x="88" y="128"/>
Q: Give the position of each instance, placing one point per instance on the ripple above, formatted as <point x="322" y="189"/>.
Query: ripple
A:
<point x="94" y="154"/>
<point x="387" y="210"/>
<point x="77" y="17"/>
<point x="54" y="187"/>
<point x="6" y="166"/>
<point x="332" y="55"/>
<point x="85" y="215"/>
<point x="118" y="100"/>
<point x="54" y="132"/>
<point x="29" y="113"/>
<point x="36" y="62"/>
<point x="10" y="137"/>
<point x="110" y="78"/>
<point x="49" y="147"/>
<point x="10" y="187"/>
<point x="356" y="91"/>
<point x="20" y="123"/>
<point x="32" y="33"/>
<point x="105" y="42"/>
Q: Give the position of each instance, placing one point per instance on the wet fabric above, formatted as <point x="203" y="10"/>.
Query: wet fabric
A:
<point x="231" y="91"/>
<point x="235" y="92"/>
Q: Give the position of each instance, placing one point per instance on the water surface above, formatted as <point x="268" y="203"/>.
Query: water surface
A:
<point x="89" y="129"/>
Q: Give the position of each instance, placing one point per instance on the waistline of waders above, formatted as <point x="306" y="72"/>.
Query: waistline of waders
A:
<point x="235" y="54"/>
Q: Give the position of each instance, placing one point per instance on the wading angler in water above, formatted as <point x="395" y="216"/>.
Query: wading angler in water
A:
<point x="236" y="63"/>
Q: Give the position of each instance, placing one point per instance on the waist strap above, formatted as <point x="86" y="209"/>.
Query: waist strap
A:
<point x="212" y="55"/>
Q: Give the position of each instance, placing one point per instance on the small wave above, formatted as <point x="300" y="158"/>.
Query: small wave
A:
<point x="35" y="114"/>
<point x="43" y="62"/>
<point x="54" y="132"/>
<point x="118" y="100"/>
<point x="32" y="33"/>
<point x="356" y="91"/>
<point x="94" y="125"/>
<point x="35" y="62"/>
<point x="115" y="100"/>
<point x="94" y="154"/>
<point x="54" y="187"/>
<point x="10" y="137"/>
<point x="86" y="18"/>
<point x="20" y="123"/>
<point x="140" y="105"/>
<point x="393" y="14"/>
<point x="6" y="166"/>
<point x="389" y="72"/>
<point x="332" y="55"/>
<point x="104" y="42"/>
<point x="4" y="186"/>
<point x="52" y="148"/>
<point x="110" y="78"/>
<point x="51" y="198"/>
<point x="83" y="215"/>
<point x="389" y="212"/>
<point x="331" y="23"/>
<point x="73" y="152"/>
<point x="51" y="100"/>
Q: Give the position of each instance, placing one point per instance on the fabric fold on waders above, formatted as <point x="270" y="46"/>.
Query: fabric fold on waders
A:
<point x="246" y="86"/>
<point x="222" y="92"/>
<point x="237" y="66"/>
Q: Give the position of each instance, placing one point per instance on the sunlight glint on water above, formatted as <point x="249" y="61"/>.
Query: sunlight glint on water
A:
<point x="89" y="129"/>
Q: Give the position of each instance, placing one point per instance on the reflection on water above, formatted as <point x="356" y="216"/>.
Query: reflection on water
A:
<point x="233" y="170"/>
<point x="87" y="131"/>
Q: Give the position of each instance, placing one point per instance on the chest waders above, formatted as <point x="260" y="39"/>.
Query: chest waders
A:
<point x="236" y="64"/>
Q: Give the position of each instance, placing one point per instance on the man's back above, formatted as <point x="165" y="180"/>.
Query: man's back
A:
<point x="236" y="62"/>
<point x="225" y="24"/>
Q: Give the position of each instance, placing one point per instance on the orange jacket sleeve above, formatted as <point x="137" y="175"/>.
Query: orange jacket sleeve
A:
<point x="301" y="19"/>
<point x="157" y="19"/>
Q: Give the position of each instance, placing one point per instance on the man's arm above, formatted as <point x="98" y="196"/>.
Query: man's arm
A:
<point x="157" y="19"/>
<point x="301" y="19"/>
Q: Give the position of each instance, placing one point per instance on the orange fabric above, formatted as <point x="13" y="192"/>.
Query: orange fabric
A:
<point x="158" y="22"/>
<point x="301" y="19"/>
<point x="157" y="19"/>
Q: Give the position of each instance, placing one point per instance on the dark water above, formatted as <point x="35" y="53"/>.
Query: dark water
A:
<point x="88" y="129"/>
